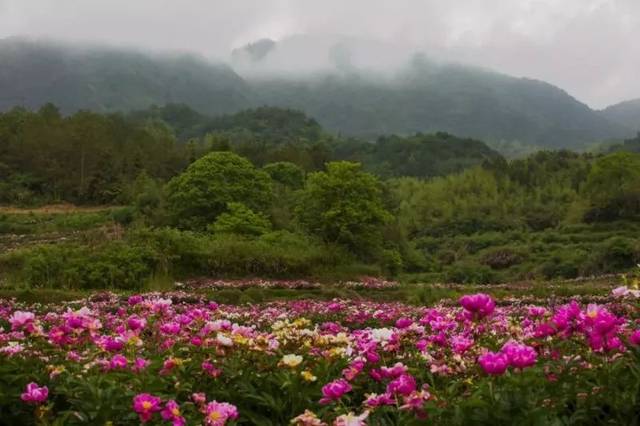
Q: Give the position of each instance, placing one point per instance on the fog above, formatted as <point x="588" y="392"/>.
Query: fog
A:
<point x="588" y="47"/>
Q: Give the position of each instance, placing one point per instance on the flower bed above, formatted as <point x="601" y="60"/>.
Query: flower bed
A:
<point x="371" y="283"/>
<point x="185" y="360"/>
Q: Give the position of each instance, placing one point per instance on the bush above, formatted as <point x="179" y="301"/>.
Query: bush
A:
<point x="241" y="220"/>
<point x="469" y="273"/>
<point x="113" y="265"/>
<point x="202" y="192"/>
<point x="501" y="258"/>
<point x="617" y="254"/>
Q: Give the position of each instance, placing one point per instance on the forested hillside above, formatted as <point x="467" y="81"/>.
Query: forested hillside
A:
<point x="268" y="192"/>
<point x="108" y="79"/>
<point x="420" y="96"/>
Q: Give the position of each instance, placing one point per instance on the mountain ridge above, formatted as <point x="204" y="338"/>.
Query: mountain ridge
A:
<point x="423" y="96"/>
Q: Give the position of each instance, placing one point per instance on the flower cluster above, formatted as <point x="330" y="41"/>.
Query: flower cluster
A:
<point x="174" y="358"/>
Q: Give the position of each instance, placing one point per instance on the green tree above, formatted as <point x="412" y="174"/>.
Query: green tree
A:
<point x="286" y="173"/>
<point x="613" y="187"/>
<point x="239" y="219"/>
<point x="344" y="205"/>
<point x="200" y="194"/>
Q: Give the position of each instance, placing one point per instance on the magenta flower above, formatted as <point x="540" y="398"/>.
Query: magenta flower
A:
<point x="403" y="385"/>
<point x="217" y="413"/>
<point x="478" y="305"/>
<point x="460" y="344"/>
<point x="140" y="364"/>
<point x="35" y="394"/>
<point x="134" y="300"/>
<point x="171" y="412"/>
<point x="333" y="391"/>
<point x="210" y="368"/>
<point x="404" y="323"/>
<point x="494" y="363"/>
<point x="635" y="338"/>
<point x="118" y="361"/>
<point x="136" y="323"/>
<point x="145" y="405"/>
<point x="170" y="328"/>
<point x="519" y="356"/>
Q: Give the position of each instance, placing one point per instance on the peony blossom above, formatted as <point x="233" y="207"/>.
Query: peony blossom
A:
<point x="35" y="394"/>
<point x="519" y="356"/>
<point x="493" y="363"/>
<point x="333" y="391"/>
<point x="403" y="385"/>
<point x="171" y="412"/>
<point x="217" y="413"/>
<point x="478" y="305"/>
<point x="21" y="320"/>
<point x="351" y="419"/>
<point x="145" y="405"/>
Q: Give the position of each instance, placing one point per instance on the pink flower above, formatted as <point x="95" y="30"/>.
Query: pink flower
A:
<point x="211" y="369"/>
<point x="333" y="391"/>
<point x="397" y="370"/>
<point x="460" y="344"/>
<point x="519" y="356"/>
<point x="21" y="320"/>
<point x="403" y="385"/>
<point x="478" y="305"/>
<point x="353" y="369"/>
<point x="134" y="300"/>
<point x="136" y="323"/>
<point x="118" y="361"/>
<point x="217" y="413"/>
<point x="199" y="398"/>
<point x="374" y="400"/>
<point x="140" y="364"/>
<point x="494" y="363"/>
<point x="635" y="338"/>
<point x="35" y="394"/>
<point x="404" y="323"/>
<point x="145" y="405"/>
<point x="170" y="328"/>
<point x="172" y="413"/>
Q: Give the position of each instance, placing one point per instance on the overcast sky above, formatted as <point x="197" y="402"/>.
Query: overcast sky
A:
<point x="591" y="48"/>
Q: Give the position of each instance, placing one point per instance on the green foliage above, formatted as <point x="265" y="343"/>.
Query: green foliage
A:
<point x="344" y="206"/>
<point x="202" y="192"/>
<point x="287" y="174"/>
<point x="84" y="158"/>
<point x="114" y="265"/>
<point x="240" y="220"/>
<point x="613" y="187"/>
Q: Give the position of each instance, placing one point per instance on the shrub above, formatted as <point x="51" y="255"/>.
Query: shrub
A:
<point x="469" y="273"/>
<point x="501" y="258"/>
<point x="241" y="220"/>
<point x="197" y="196"/>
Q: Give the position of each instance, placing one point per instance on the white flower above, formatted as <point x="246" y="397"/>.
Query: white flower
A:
<point x="224" y="340"/>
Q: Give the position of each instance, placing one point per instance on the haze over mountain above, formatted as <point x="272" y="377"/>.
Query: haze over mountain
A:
<point x="625" y="113"/>
<point x="338" y="81"/>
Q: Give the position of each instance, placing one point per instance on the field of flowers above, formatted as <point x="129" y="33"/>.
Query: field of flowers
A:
<point x="175" y="359"/>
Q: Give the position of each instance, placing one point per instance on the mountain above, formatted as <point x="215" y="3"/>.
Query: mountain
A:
<point x="108" y="79"/>
<point x="625" y="113"/>
<point x="351" y="93"/>
<point x="429" y="97"/>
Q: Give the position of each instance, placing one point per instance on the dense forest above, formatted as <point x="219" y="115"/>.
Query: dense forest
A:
<point x="268" y="192"/>
<point x="93" y="158"/>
